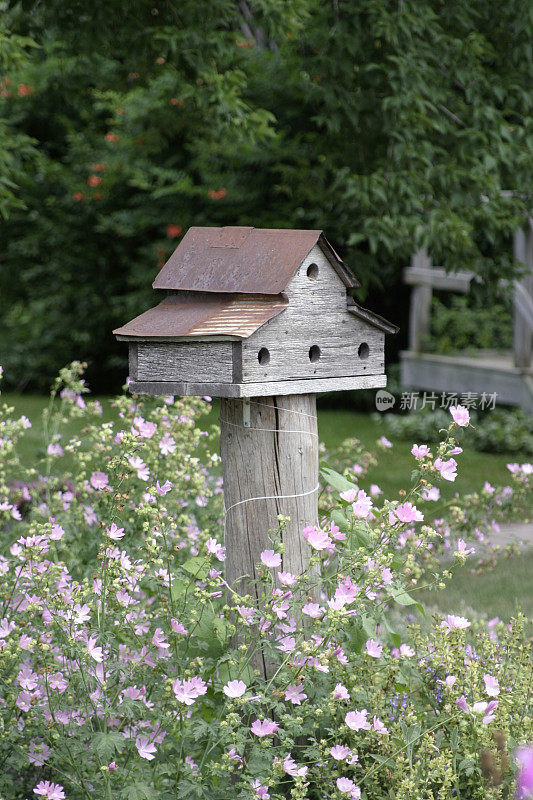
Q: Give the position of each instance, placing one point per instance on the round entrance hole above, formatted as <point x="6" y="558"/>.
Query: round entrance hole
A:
<point x="364" y="350"/>
<point x="314" y="353"/>
<point x="263" y="356"/>
<point x="312" y="272"/>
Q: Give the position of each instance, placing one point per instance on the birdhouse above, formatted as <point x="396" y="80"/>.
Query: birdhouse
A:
<point x="253" y="312"/>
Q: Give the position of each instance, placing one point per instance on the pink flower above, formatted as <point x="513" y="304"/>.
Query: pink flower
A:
<point x="386" y="576"/>
<point x="451" y="622"/>
<point x="167" y="444"/>
<point x="346" y="591"/>
<point x="407" y="512"/>
<point x="524" y="778"/>
<point x="460" y="415"/>
<point x="486" y="710"/>
<point x="349" y="495"/>
<point x="260" y="791"/>
<point x="158" y="639"/>
<point x="99" y="480"/>
<point x="294" y="694"/>
<point x="313" y="610"/>
<point x="362" y="506"/>
<point x="462" y="704"/>
<point x="114" y="532"/>
<point x="374" y="648"/>
<point x="406" y="651"/>
<point x="5" y="628"/>
<point x="481" y="708"/>
<point x="340" y="692"/>
<point x="216" y="549"/>
<point x="317" y="539"/>
<point x="265" y="727"/>
<point x="345" y="785"/>
<point x="447" y="469"/>
<point x="357" y="720"/>
<point x="286" y="644"/>
<point x="82" y="614"/>
<point x="52" y="791"/>
<point x="375" y="490"/>
<point x="287" y="578"/>
<point x="137" y="464"/>
<point x="462" y="550"/>
<point x="270" y="558"/>
<point x="94" y="651"/>
<point x="145" y="748"/>
<point x="234" y="689"/>
<point x="291" y="768"/>
<point x="420" y="450"/>
<point x="379" y="726"/>
<point x="55" y="449"/>
<point x="492" y="686"/>
<point x="57" y="532"/>
<point x="164" y="489"/>
<point x="385" y="442"/>
<point x="39" y="755"/>
<point x="340" y="752"/>
<point x="431" y="493"/>
<point x="188" y="691"/>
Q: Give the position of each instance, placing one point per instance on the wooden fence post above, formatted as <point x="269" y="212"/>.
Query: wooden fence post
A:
<point x="275" y="456"/>
<point x="522" y="330"/>
<point x="419" y="316"/>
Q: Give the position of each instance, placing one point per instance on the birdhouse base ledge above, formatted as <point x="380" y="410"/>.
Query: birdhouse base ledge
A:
<point x="268" y="389"/>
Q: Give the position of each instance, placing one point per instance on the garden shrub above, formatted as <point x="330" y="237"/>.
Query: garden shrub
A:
<point x="498" y="431"/>
<point x="461" y="324"/>
<point x="129" y="669"/>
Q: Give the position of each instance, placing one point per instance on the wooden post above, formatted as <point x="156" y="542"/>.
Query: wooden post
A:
<point x="419" y="316"/>
<point x="522" y="331"/>
<point x="269" y="449"/>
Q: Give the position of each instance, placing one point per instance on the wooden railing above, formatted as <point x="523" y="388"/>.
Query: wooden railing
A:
<point x="424" y="278"/>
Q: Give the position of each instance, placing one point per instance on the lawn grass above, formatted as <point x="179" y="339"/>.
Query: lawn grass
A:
<point x="496" y="593"/>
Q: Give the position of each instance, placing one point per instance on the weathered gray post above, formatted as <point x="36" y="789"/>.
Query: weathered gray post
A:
<point x="270" y="467"/>
<point x="261" y="319"/>
<point x="419" y="316"/>
<point x="523" y="298"/>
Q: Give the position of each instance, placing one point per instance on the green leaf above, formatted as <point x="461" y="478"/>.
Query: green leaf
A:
<point x="335" y="479"/>
<point x="227" y="672"/>
<point x="198" y="566"/>
<point x="105" y="744"/>
<point x="402" y="597"/>
<point x="139" y="791"/>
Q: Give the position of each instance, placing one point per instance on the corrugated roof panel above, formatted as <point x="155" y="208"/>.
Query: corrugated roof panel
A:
<point x="200" y="314"/>
<point x="244" y="260"/>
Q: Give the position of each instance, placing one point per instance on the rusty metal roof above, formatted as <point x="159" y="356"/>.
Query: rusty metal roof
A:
<point x="245" y="260"/>
<point x="199" y="314"/>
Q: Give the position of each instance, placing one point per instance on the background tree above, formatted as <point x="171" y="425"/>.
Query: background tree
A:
<point x="388" y="125"/>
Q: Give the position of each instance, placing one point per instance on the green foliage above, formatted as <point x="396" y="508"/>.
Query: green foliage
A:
<point x="460" y="325"/>
<point x="499" y="431"/>
<point x="390" y="126"/>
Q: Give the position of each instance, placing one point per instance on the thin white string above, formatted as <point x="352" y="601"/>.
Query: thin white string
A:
<point x="267" y="430"/>
<point x="271" y="497"/>
<point x="272" y="430"/>
<point x="280" y="408"/>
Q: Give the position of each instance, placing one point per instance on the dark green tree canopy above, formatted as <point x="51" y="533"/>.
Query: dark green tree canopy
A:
<point x="390" y="125"/>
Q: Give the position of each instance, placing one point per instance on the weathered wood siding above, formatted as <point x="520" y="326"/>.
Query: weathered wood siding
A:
<point x="316" y="316"/>
<point x="198" y="362"/>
